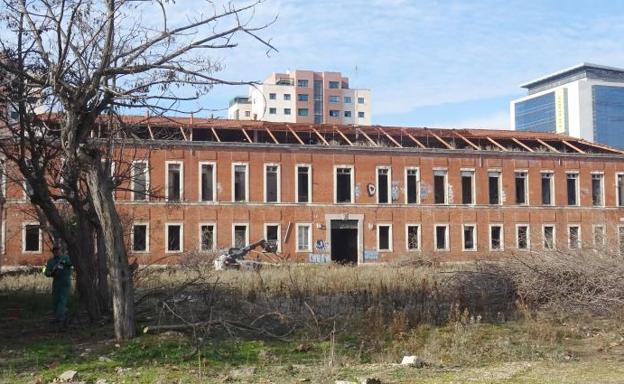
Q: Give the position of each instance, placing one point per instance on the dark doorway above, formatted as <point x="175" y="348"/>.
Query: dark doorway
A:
<point x="344" y="241"/>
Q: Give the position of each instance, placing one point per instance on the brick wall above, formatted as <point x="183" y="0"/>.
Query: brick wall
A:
<point x="191" y="212"/>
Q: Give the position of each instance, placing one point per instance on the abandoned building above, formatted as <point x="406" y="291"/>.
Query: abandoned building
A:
<point x="350" y="194"/>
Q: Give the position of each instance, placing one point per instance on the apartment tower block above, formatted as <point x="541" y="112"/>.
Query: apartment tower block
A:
<point x="304" y="97"/>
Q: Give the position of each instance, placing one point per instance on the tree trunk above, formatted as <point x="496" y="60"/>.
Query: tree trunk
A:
<point x="122" y="290"/>
<point x="86" y="284"/>
<point x="102" y="271"/>
<point x="92" y="284"/>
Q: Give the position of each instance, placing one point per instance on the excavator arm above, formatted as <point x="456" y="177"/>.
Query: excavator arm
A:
<point x="234" y="255"/>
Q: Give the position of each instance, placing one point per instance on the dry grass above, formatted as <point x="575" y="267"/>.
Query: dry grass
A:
<point x="331" y="318"/>
<point x="570" y="283"/>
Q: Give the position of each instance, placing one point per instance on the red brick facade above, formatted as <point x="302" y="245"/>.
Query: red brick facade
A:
<point x="368" y="214"/>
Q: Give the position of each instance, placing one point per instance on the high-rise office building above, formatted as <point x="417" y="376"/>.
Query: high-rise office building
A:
<point x="304" y="97"/>
<point x="584" y="101"/>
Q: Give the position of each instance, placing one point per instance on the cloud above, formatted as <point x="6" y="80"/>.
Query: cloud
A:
<point x="498" y="120"/>
<point x="414" y="54"/>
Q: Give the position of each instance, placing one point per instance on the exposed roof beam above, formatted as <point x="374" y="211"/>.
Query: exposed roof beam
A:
<point x="547" y="145"/>
<point x="295" y="134"/>
<point x="343" y="135"/>
<point x="496" y="143"/>
<point x="520" y="143"/>
<point x="271" y="134"/>
<point x="183" y="134"/>
<point x="215" y="134"/>
<point x="367" y="137"/>
<point x="320" y="136"/>
<point x="577" y="149"/>
<point x="149" y="129"/>
<point x="390" y="138"/>
<point x="605" y="147"/>
<point x="447" y="145"/>
<point x="415" y="140"/>
<point x="468" y="141"/>
<point x="246" y="135"/>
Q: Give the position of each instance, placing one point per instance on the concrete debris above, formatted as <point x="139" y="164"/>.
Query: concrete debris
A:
<point x="414" y="361"/>
<point x="105" y="359"/>
<point x="344" y="382"/>
<point x="67" y="376"/>
<point x="121" y="371"/>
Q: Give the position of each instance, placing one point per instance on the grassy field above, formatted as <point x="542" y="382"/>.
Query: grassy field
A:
<point x="312" y="324"/>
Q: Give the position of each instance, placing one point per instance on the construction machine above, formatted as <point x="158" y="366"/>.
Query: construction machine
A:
<point x="235" y="257"/>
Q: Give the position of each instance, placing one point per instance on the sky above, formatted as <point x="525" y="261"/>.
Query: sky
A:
<point x="428" y="63"/>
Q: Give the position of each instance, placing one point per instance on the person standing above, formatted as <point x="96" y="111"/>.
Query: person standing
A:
<point x="58" y="268"/>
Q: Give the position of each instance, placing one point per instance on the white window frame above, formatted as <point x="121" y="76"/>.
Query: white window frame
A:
<point x="279" y="234"/>
<point x="25" y="185"/>
<point x="246" y="200"/>
<point x="552" y="189"/>
<point x="214" y="236"/>
<point x="352" y="178"/>
<point x="147" y="236"/>
<point x="604" y="235"/>
<point x="214" y="182"/>
<point x="419" y="237"/>
<point x="528" y="239"/>
<point x="526" y="187"/>
<point x="577" y="187"/>
<point x="40" y="245"/>
<point x="234" y="225"/>
<point x="309" y="248"/>
<point x="446" y="185"/>
<point x="170" y="162"/>
<point x="473" y="187"/>
<point x="309" y="166"/>
<point x="474" y="234"/>
<point x="390" y="242"/>
<point x="279" y="182"/>
<point x="500" y="186"/>
<point x="113" y="169"/>
<point x="447" y="238"/>
<point x="167" y="225"/>
<point x="502" y="237"/>
<point x="554" y="245"/>
<point x="602" y="188"/>
<point x="389" y="182"/>
<point x="147" y="179"/>
<point x="617" y="190"/>
<point x="578" y="240"/>
<point x="417" y="169"/>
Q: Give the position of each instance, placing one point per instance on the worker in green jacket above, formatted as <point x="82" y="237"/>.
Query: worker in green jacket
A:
<point x="59" y="267"/>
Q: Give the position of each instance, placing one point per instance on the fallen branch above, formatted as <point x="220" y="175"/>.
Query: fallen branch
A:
<point x="203" y="324"/>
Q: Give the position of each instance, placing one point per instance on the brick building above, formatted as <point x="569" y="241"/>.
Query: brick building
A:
<point x="346" y="193"/>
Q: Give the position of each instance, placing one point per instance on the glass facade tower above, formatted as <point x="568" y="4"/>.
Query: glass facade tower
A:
<point x="537" y="114"/>
<point x="608" y="115"/>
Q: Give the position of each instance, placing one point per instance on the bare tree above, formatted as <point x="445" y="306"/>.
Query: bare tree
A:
<point x="82" y="61"/>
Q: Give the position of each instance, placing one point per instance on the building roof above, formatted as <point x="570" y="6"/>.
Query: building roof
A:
<point x="220" y="131"/>
<point x="570" y="72"/>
